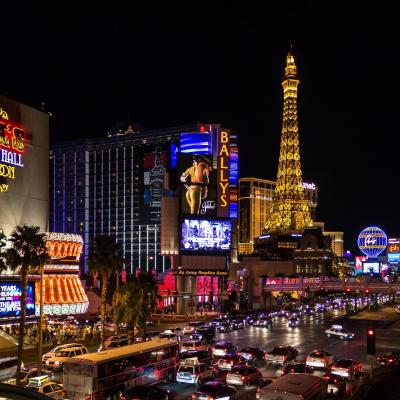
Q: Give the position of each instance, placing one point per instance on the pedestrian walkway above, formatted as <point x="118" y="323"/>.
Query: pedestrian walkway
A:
<point x="384" y="314"/>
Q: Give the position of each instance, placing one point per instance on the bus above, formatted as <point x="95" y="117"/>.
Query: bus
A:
<point x="103" y="374"/>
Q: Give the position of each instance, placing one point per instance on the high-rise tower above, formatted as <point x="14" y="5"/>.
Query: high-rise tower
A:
<point x="290" y="211"/>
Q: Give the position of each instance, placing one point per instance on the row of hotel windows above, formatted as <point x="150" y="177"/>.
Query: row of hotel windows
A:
<point x="309" y="269"/>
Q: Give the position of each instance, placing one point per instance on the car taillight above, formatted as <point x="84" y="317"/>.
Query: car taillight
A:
<point x="391" y="360"/>
<point x="231" y="361"/>
<point x="243" y="378"/>
<point x="88" y="397"/>
<point x="323" y="359"/>
<point x="122" y="397"/>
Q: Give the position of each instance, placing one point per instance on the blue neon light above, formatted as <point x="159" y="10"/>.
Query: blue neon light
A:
<point x="196" y="143"/>
<point x="174" y="155"/>
<point x="372" y="241"/>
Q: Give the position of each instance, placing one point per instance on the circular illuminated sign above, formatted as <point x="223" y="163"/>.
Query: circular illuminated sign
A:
<point x="372" y="241"/>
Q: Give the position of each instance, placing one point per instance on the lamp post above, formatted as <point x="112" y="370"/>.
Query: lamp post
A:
<point x="40" y="344"/>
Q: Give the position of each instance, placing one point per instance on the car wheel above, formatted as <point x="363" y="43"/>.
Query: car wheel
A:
<point x="328" y="334"/>
<point x="342" y="337"/>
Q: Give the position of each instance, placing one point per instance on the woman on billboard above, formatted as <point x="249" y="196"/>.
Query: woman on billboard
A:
<point x="197" y="178"/>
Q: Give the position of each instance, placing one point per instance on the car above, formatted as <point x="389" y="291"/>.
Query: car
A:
<point x="297" y="367"/>
<point x="191" y="371"/>
<point x="221" y="349"/>
<point x="59" y="348"/>
<point x="201" y="356"/>
<point x="336" y="385"/>
<point x="113" y="342"/>
<point x="390" y="359"/>
<point x="57" y="362"/>
<point x="398" y="309"/>
<point x="263" y="322"/>
<point x="51" y="388"/>
<point x="339" y="332"/>
<point x="144" y="392"/>
<point x="228" y="362"/>
<point x="191" y="327"/>
<point x="293" y="321"/>
<point x="207" y="333"/>
<point x="309" y="312"/>
<point x="243" y="375"/>
<point x="237" y="323"/>
<point x="215" y="390"/>
<point x="264" y="382"/>
<point x="346" y="368"/>
<point x="281" y="354"/>
<point x="193" y="345"/>
<point x="319" y="359"/>
<point x="169" y="334"/>
<point x="252" y="354"/>
<point x="224" y="327"/>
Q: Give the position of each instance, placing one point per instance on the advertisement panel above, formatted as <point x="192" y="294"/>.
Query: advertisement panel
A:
<point x="205" y="236"/>
<point x="223" y="158"/>
<point x="198" y="185"/>
<point x="370" y="267"/>
<point x="10" y="299"/>
<point x="154" y="185"/>
<point x="358" y="266"/>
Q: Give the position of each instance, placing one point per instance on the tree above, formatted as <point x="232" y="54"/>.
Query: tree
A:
<point x="148" y="294"/>
<point x="105" y="259"/>
<point x="3" y="242"/>
<point x="126" y="307"/>
<point x="28" y="253"/>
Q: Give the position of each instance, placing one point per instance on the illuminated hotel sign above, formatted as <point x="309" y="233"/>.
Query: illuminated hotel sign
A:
<point x="310" y="186"/>
<point x="12" y="146"/>
<point x="223" y="174"/>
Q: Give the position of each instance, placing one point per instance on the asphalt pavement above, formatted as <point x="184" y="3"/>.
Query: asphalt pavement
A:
<point x="310" y="335"/>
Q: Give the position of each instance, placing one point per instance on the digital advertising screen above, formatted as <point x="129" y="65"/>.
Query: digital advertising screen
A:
<point x="205" y="235"/>
<point x="10" y="299"/>
<point x="371" y="267"/>
<point x="394" y="258"/>
<point x="198" y="185"/>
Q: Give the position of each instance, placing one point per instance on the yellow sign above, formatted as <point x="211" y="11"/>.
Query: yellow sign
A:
<point x="223" y="174"/>
<point x="7" y="171"/>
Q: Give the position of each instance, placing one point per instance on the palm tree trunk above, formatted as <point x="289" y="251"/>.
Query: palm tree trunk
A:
<point x="103" y="305"/>
<point x="116" y="291"/>
<point x="131" y="333"/>
<point x="21" y="333"/>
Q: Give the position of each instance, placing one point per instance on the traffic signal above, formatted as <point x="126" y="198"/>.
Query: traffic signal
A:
<point x="307" y="289"/>
<point x="366" y="292"/>
<point x="371" y="341"/>
<point x="348" y="290"/>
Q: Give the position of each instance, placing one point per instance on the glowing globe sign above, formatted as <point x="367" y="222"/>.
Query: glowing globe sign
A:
<point x="372" y="241"/>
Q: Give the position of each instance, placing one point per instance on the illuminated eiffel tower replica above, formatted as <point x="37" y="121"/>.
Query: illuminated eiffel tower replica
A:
<point x="290" y="213"/>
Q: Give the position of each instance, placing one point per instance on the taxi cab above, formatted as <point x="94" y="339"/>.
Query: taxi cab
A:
<point x="43" y="384"/>
<point x="339" y="332"/>
<point x="193" y="345"/>
<point x="191" y="371"/>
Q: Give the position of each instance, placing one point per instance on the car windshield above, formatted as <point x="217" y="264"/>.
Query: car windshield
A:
<point x="239" y="371"/>
<point x="222" y="345"/>
<point x="186" y="369"/>
<point x="344" y="330"/>
<point x="317" y="354"/>
<point x="344" y="363"/>
<point x="280" y="350"/>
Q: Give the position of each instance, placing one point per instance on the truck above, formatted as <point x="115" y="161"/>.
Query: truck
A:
<point x="295" y="387"/>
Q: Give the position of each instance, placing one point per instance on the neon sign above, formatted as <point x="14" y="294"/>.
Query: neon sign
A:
<point x="12" y="145"/>
<point x="372" y="241"/>
<point x="310" y="186"/>
<point x="223" y="174"/>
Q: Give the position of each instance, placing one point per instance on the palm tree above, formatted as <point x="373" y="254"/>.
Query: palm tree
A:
<point x="148" y="295"/>
<point x="105" y="259"/>
<point x="28" y="253"/>
<point x="126" y="307"/>
<point x="3" y="243"/>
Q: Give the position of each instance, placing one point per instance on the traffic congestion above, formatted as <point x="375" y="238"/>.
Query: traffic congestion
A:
<point x="232" y="356"/>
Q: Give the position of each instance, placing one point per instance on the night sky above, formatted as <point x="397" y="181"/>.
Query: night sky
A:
<point x="165" y="67"/>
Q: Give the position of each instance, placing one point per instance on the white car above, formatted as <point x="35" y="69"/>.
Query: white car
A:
<point x="194" y="372"/>
<point x="339" y="332"/>
<point x="319" y="359"/>
<point x="57" y="349"/>
<point x="57" y="362"/>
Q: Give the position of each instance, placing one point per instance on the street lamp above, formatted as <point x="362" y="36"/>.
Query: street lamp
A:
<point x="40" y="344"/>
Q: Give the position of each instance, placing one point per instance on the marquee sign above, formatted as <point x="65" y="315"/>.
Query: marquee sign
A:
<point x="223" y="174"/>
<point x="12" y="146"/>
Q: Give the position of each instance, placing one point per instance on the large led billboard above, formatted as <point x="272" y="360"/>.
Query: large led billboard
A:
<point x="205" y="235"/>
<point x="371" y="267"/>
<point x="10" y="299"/>
<point x="198" y="185"/>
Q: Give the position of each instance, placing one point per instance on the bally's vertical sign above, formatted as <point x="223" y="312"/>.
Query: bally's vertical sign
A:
<point x="12" y="146"/>
<point x="223" y="146"/>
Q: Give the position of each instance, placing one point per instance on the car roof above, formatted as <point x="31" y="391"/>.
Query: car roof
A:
<point x="344" y="361"/>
